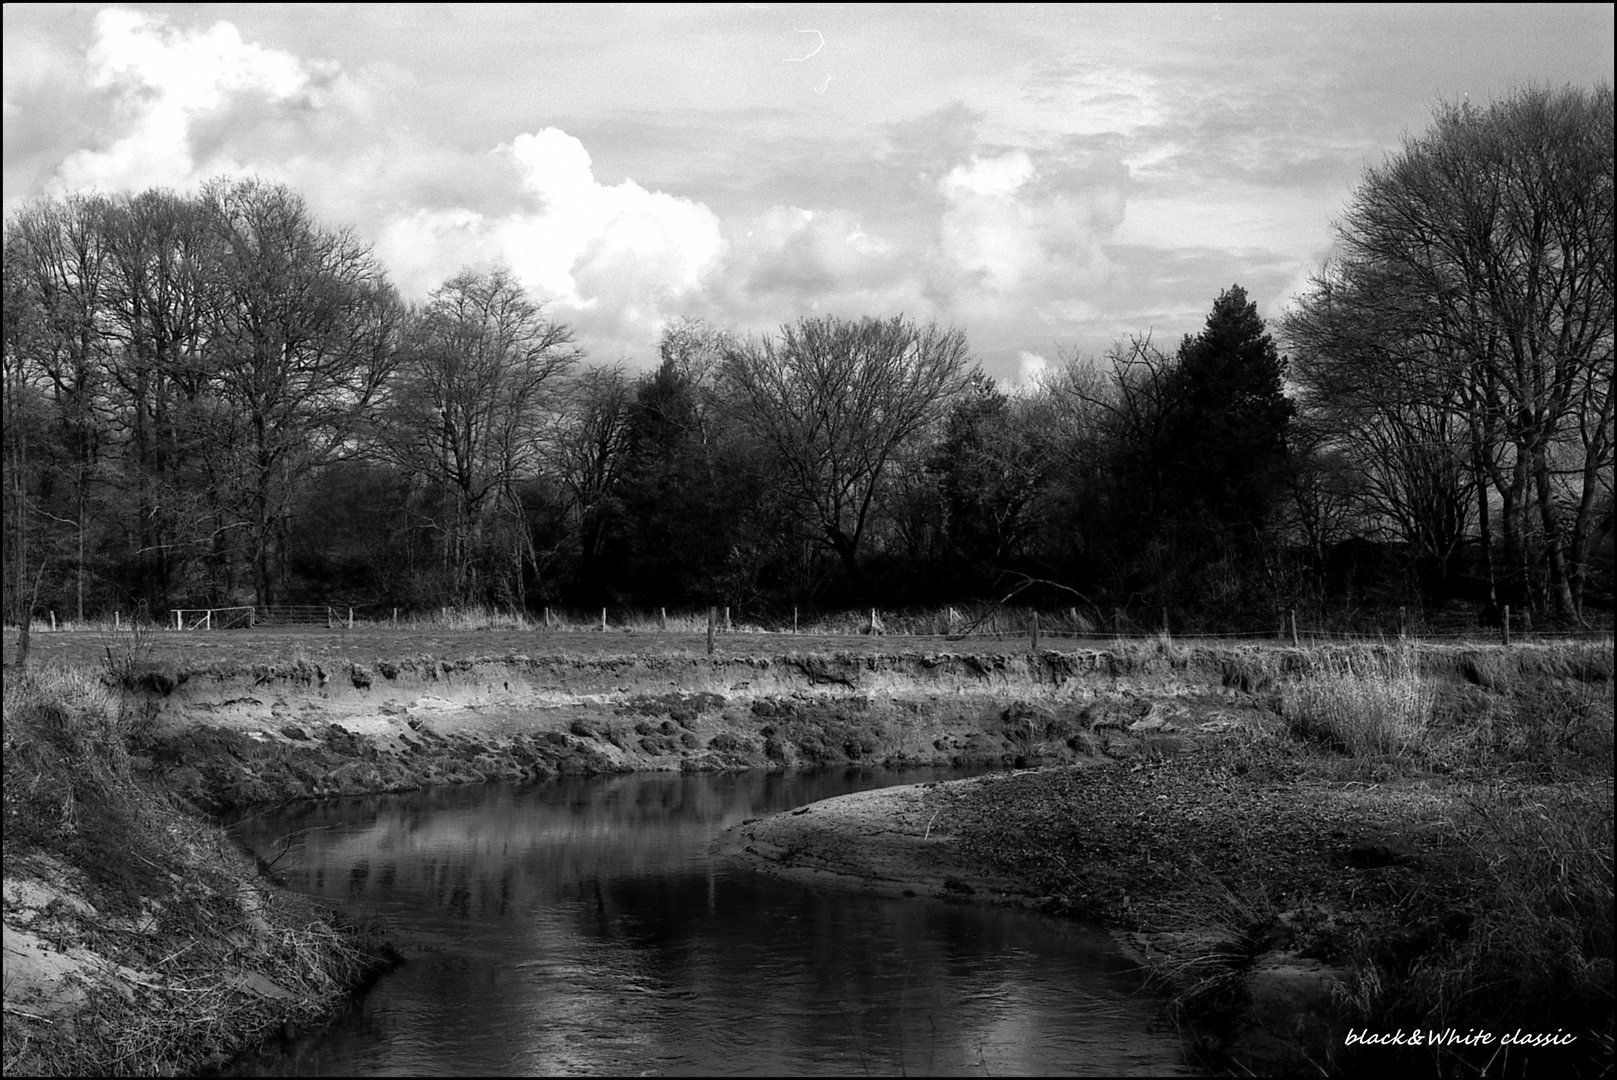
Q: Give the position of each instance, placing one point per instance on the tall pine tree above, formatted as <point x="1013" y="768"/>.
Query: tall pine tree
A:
<point x="1226" y="436"/>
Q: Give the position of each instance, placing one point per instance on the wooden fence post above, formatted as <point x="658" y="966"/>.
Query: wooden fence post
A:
<point x="1504" y="627"/>
<point x="794" y="618"/>
<point x="727" y="624"/>
<point x="603" y="620"/>
<point x="712" y="620"/>
<point x="1292" y="614"/>
<point x="350" y="618"/>
<point x="53" y="620"/>
<point x="116" y="624"/>
<point x="662" y="618"/>
<point x="1035" y="631"/>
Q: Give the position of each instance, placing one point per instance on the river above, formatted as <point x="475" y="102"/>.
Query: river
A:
<point x="579" y="926"/>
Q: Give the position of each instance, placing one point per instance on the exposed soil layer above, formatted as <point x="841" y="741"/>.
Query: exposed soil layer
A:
<point x="227" y="734"/>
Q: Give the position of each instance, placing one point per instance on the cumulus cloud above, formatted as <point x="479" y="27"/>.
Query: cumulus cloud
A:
<point x="617" y="259"/>
<point x="936" y="224"/>
<point x="165" y="81"/>
<point x="1031" y="369"/>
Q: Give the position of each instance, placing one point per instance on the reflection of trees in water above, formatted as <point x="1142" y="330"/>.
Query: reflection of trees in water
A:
<point x="578" y="927"/>
<point x="508" y="845"/>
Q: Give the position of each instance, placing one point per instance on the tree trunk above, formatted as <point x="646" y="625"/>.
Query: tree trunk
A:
<point x="847" y="551"/>
<point x="1560" y="588"/>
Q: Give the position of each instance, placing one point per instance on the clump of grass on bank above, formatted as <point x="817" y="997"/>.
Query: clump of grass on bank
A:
<point x="196" y="962"/>
<point x="1363" y="705"/>
<point x="1527" y="946"/>
<point x="1230" y="932"/>
<point x="66" y="758"/>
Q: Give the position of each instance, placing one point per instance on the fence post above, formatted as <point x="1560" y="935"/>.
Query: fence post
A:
<point x="1292" y="614"/>
<point x="116" y="623"/>
<point x="794" y="619"/>
<point x="177" y="617"/>
<point x="1504" y="627"/>
<point x="350" y="618"/>
<point x="727" y="624"/>
<point x="662" y="618"/>
<point x="395" y="616"/>
<point x="207" y="620"/>
<point x="712" y="623"/>
<point x="603" y="620"/>
<point x="1035" y="631"/>
<point x="547" y="616"/>
<point x="53" y="620"/>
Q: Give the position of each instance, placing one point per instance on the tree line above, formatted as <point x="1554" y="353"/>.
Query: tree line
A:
<point x="214" y="398"/>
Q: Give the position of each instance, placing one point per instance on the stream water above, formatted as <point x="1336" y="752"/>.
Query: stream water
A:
<point x="579" y="926"/>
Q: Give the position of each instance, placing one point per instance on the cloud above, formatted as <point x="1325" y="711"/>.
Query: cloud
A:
<point x="1031" y="369"/>
<point x="187" y="104"/>
<point x="163" y="81"/>
<point x="617" y="260"/>
<point x="934" y="223"/>
<point x="1081" y="197"/>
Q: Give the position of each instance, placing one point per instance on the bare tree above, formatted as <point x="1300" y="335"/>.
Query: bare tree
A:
<point x="591" y="447"/>
<point x="62" y="255"/>
<point x="478" y="379"/>
<point x="833" y="400"/>
<point x="157" y="243"/>
<point x="1476" y="270"/>
<point x="300" y="324"/>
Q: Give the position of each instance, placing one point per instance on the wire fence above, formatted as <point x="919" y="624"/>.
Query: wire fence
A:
<point x="247" y="616"/>
<point x="987" y="623"/>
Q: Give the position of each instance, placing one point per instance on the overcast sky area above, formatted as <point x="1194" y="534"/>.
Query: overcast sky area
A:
<point x="1051" y="179"/>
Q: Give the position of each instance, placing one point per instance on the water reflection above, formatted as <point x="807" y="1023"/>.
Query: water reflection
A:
<point x="579" y="927"/>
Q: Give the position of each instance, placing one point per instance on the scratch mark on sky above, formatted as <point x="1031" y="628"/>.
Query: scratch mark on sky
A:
<point x="817" y="48"/>
<point x="822" y="89"/>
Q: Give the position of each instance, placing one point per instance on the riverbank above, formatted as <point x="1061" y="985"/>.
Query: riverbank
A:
<point x="139" y="938"/>
<point x="1288" y="889"/>
<point x="1262" y="819"/>
<point x="237" y="718"/>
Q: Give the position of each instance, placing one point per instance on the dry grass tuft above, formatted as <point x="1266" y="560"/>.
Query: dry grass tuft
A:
<point x="1367" y="705"/>
<point x="1527" y="946"/>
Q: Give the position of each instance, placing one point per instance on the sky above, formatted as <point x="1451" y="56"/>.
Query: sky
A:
<point x="1051" y="179"/>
